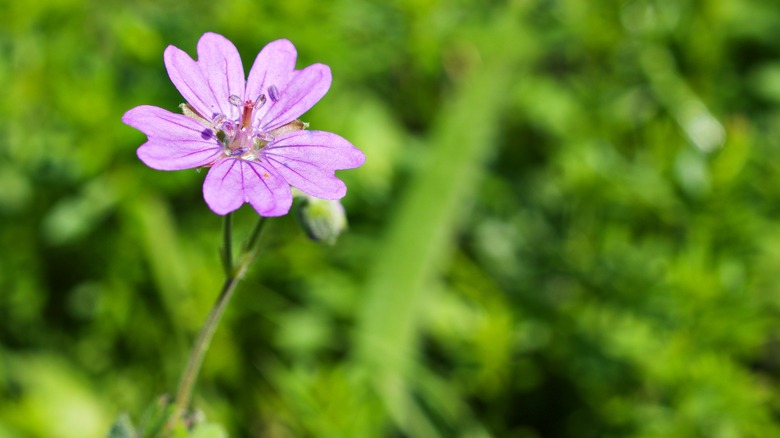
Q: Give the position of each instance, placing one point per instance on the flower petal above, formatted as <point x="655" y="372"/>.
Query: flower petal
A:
<point x="274" y="65"/>
<point x="175" y="141"/>
<point x="308" y="161"/>
<point x="221" y="65"/>
<point x="188" y="78"/>
<point x="328" y="150"/>
<point x="232" y="182"/>
<point x="306" y="88"/>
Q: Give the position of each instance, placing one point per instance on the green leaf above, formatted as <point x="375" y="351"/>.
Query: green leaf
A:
<point x="156" y="417"/>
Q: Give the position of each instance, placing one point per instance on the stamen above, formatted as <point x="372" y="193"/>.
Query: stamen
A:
<point x="260" y="101"/>
<point x="273" y="93"/>
<point x="235" y="101"/>
<point x="227" y="126"/>
<point x="237" y="152"/>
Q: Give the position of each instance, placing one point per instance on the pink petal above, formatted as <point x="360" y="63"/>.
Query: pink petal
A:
<point x="326" y="149"/>
<point x="188" y="78"/>
<point x="221" y="65"/>
<point x="274" y="65"/>
<point x="232" y="182"/>
<point x="308" y="160"/>
<point x="306" y="88"/>
<point x="175" y="141"/>
<point x="311" y="179"/>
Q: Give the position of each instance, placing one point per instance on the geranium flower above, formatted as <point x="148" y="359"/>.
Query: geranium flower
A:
<point x="247" y="132"/>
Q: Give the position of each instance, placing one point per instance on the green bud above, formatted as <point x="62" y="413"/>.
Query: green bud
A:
<point x="323" y="220"/>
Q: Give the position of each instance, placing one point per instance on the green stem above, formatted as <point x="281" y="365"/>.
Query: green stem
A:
<point x="201" y="345"/>
<point x="252" y="240"/>
<point x="227" y="245"/>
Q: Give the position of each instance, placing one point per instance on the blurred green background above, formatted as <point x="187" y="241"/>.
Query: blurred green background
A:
<point x="566" y="225"/>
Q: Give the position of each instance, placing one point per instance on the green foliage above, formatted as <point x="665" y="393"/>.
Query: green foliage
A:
<point x="566" y="224"/>
<point x="122" y="428"/>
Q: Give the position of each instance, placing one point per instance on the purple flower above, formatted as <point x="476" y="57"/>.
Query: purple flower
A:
<point x="248" y="132"/>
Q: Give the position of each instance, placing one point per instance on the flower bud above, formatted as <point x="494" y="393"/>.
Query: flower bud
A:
<point x="323" y="220"/>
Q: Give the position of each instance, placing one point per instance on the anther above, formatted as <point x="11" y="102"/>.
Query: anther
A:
<point x="273" y="93"/>
<point x="235" y="101"/>
<point x="236" y="152"/>
<point x="218" y="120"/>
<point x="260" y="101"/>
<point x="223" y="124"/>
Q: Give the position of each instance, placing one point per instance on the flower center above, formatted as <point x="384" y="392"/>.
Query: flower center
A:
<point x="239" y="132"/>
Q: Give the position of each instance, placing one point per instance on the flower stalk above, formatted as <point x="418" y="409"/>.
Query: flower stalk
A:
<point x="227" y="245"/>
<point x="233" y="274"/>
